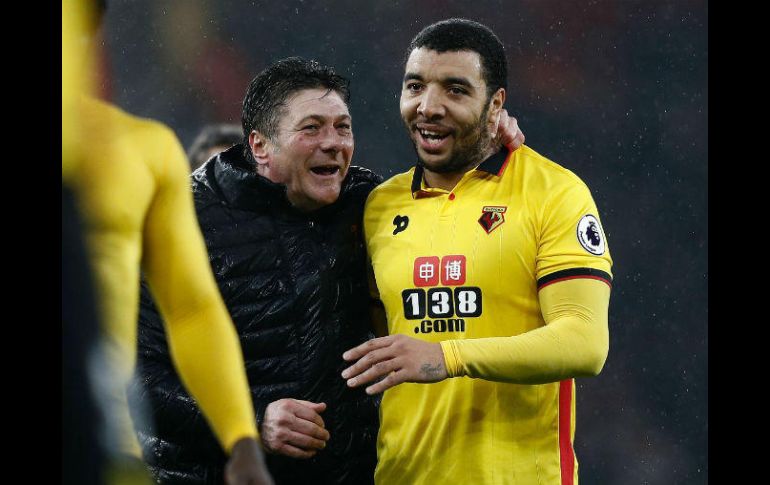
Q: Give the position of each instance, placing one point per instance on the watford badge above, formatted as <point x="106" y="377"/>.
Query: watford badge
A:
<point x="492" y="217"/>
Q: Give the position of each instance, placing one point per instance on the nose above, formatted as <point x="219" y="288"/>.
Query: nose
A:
<point x="431" y="105"/>
<point x="332" y="142"/>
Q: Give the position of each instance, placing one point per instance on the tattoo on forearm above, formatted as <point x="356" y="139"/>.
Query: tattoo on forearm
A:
<point x="431" y="372"/>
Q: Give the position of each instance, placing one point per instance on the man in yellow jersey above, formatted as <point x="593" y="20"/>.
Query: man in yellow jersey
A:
<point x="494" y="271"/>
<point x="281" y="214"/>
<point x="129" y="178"/>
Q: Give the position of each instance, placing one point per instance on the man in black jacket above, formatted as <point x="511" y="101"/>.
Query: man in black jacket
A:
<point x="281" y="215"/>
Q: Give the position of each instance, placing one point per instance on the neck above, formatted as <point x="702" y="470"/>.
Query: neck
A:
<point x="448" y="181"/>
<point x="445" y="181"/>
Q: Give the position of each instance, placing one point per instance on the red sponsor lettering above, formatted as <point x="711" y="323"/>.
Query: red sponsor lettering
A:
<point x="453" y="270"/>
<point x="426" y="271"/>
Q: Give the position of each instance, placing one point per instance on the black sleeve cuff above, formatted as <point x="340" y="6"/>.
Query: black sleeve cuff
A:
<point x="572" y="273"/>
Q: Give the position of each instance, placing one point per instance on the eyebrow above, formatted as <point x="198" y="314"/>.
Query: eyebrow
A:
<point x="411" y="75"/>
<point x="322" y="119"/>
<point x="447" y="80"/>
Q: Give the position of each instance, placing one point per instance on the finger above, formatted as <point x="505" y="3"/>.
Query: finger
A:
<point x="513" y="124"/>
<point x="304" y="441"/>
<point x="304" y="412"/>
<point x="394" y="379"/>
<point x="374" y="372"/>
<point x="367" y="361"/>
<point x="517" y="141"/>
<point x="318" y="407"/>
<point x="310" y="429"/>
<point x="294" y="452"/>
<point x="357" y="352"/>
<point x="508" y="130"/>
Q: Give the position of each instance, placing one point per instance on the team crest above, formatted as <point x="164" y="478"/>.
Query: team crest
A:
<point x="590" y="235"/>
<point x="492" y="217"/>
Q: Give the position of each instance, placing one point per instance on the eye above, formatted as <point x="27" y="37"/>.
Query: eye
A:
<point x="345" y="127"/>
<point x="457" y="90"/>
<point x="311" y="127"/>
<point x="414" y="87"/>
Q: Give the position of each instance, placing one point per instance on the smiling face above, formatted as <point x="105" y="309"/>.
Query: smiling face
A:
<point x="312" y="149"/>
<point x="445" y="107"/>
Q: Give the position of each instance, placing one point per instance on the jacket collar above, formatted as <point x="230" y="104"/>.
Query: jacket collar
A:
<point x="240" y="186"/>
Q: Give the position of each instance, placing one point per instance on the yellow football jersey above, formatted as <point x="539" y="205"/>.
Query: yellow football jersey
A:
<point x="468" y="264"/>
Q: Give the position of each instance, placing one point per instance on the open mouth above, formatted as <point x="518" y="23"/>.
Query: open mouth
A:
<point x="432" y="135"/>
<point x="433" y="139"/>
<point x="325" y="170"/>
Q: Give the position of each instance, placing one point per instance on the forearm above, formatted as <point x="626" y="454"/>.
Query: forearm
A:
<point x="161" y="390"/>
<point x="207" y="354"/>
<point x="574" y="343"/>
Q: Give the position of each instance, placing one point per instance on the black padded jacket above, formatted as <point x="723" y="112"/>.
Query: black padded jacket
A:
<point x="295" y="285"/>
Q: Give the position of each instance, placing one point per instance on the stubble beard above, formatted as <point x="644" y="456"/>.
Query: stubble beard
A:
<point x="462" y="157"/>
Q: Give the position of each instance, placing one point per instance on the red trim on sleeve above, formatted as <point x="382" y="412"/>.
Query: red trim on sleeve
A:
<point x="566" y="454"/>
<point x="590" y="277"/>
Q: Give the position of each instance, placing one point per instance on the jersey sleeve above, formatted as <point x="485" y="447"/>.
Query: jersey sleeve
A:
<point x="573" y="343"/>
<point x="202" y="338"/>
<point x="572" y="242"/>
<point x="572" y="268"/>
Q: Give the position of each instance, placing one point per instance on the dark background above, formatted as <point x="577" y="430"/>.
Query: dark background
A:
<point x="615" y="91"/>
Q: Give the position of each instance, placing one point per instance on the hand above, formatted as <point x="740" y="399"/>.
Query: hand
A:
<point x="400" y="358"/>
<point x="246" y="465"/>
<point x="294" y="428"/>
<point x="506" y="131"/>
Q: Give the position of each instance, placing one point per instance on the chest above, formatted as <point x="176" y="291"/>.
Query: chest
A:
<point x="450" y="241"/>
<point x="444" y="265"/>
<point x="282" y="252"/>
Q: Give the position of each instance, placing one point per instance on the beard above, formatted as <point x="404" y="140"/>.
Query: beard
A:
<point x="472" y="143"/>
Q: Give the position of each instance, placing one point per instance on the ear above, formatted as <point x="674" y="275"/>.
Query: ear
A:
<point x="496" y="104"/>
<point x="493" y="112"/>
<point x="258" y="143"/>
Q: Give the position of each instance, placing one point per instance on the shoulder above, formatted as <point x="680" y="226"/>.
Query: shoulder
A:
<point x="127" y="137"/>
<point x="400" y="183"/>
<point x="360" y="176"/>
<point x="390" y="195"/>
<point x="538" y="169"/>
<point x="359" y="182"/>
<point x="126" y="125"/>
<point x="544" y="181"/>
<point x="206" y="191"/>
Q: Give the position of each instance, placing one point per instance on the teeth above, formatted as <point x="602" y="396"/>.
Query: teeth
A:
<point x="431" y="134"/>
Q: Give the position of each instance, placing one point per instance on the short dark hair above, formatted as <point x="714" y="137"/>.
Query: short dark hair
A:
<point x="462" y="34"/>
<point x="269" y="90"/>
<point x="221" y="134"/>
